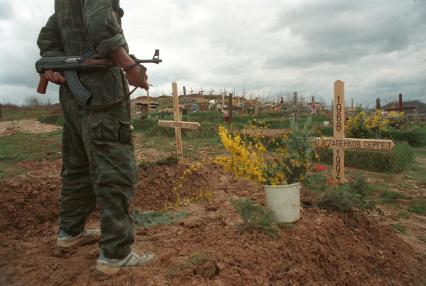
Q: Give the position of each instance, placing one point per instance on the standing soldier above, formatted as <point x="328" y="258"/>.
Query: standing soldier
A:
<point x="99" y="167"/>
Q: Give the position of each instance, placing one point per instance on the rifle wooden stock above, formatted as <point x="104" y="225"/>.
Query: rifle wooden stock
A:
<point x="42" y="84"/>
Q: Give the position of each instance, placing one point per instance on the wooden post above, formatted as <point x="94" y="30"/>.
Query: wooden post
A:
<point x="230" y="107"/>
<point x="1" y="113"/>
<point x="339" y="129"/>
<point x="176" y="116"/>
<point x="378" y="105"/>
<point x="147" y="102"/>
<point x="339" y="142"/>
<point x="177" y="124"/>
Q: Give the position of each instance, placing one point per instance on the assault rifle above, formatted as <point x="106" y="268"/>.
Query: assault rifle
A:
<point x="71" y="65"/>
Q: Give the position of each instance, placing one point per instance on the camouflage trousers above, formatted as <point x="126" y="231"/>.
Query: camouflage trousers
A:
<point x="99" y="169"/>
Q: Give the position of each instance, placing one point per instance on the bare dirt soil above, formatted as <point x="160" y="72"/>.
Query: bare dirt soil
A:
<point x="205" y="248"/>
<point x="28" y="125"/>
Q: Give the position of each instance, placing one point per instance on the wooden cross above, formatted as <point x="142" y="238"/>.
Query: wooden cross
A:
<point x="177" y="123"/>
<point x="339" y="143"/>
<point x="230" y="106"/>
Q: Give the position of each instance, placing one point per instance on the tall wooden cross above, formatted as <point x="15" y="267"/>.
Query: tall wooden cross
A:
<point x="230" y="106"/>
<point x="339" y="143"/>
<point x="177" y="123"/>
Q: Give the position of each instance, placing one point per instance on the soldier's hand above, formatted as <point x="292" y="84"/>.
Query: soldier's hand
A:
<point x="54" y="77"/>
<point x="137" y="77"/>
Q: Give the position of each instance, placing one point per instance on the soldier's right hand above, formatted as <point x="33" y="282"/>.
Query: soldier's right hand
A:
<point x="137" y="77"/>
<point x="54" y="77"/>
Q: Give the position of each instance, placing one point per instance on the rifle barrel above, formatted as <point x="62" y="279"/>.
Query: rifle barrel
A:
<point x="155" y="61"/>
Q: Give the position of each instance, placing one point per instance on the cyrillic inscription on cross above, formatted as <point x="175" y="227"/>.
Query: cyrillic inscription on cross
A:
<point x="339" y="143"/>
<point x="177" y="124"/>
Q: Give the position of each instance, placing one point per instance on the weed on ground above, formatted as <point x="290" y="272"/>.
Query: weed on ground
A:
<point x="399" y="228"/>
<point x="354" y="195"/>
<point x="418" y="207"/>
<point x="255" y="217"/>
<point x="390" y="197"/>
<point x="152" y="218"/>
<point x="196" y="258"/>
<point x="403" y="214"/>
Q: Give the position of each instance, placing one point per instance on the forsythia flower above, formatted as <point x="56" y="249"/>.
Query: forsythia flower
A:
<point x="246" y="160"/>
<point x="362" y="125"/>
<point x="376" y="122"/>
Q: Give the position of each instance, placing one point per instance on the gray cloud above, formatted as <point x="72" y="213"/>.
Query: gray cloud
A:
<point x="377" y="47"/>
<point x="343" y="31"/>
<point x="6" y="10"/>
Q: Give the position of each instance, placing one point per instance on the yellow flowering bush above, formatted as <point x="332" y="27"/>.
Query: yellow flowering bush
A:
<point x="396" y="114"/>
<point x="362" y="125"/>
<point x="285" y="160"/>
<point x="377" y="122"/>
<point x="396" y="118"/>
<point x="199" y="195"/>
<point x="245" y="160"/>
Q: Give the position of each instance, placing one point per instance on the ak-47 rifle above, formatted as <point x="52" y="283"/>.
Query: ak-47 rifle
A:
<point x="71" y="65"/>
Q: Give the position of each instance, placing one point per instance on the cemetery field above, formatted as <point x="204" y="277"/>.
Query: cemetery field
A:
<point x="186" y="215"/>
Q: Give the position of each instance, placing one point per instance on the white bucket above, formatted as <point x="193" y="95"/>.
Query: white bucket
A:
<point x="284" y="202"/>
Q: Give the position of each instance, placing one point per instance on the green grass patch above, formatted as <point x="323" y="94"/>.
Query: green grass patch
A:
<point x="22" y="113"/>
<point x="354" y="195"/>
<point x="379" y="187"/>
<point x="418" y="207"/>
<point x="52" y="119"/>
<point x="196" y="258"/>
<point x="316" y="182"/>
<point x="210" y="121"/>
<point x="403" y="214"/>
<point x="153" y="218"/>
<point x="415" y="137"/>
<point x="194" y="147"/>
<point x="390" y="197"/>
<point x="399" y="228"/>
<point x="255" y="217"/>
<point x="27" y="147"/>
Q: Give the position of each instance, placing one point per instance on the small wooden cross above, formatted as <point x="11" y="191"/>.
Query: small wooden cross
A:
<point x="177" y="124"/>
<point x="339" y="143"/>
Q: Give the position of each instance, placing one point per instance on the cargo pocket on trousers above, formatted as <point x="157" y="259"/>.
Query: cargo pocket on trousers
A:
<point x="105" y="130"/>
<point x="125" y="133"/>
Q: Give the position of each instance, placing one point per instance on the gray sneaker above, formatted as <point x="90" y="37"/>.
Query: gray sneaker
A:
<point x="87" y="236"/>
<point x="112" y="266"/>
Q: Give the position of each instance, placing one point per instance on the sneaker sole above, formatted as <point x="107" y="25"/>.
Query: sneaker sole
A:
<point x="109" y="270"/>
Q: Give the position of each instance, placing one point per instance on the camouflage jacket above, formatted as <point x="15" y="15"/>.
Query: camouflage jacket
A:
<point x="79" y="27"/>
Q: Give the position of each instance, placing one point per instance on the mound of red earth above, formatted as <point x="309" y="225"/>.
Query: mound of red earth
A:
<point x="206" y="248"/>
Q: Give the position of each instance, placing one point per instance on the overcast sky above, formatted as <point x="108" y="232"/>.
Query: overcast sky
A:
<point x="269" y="47"/>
